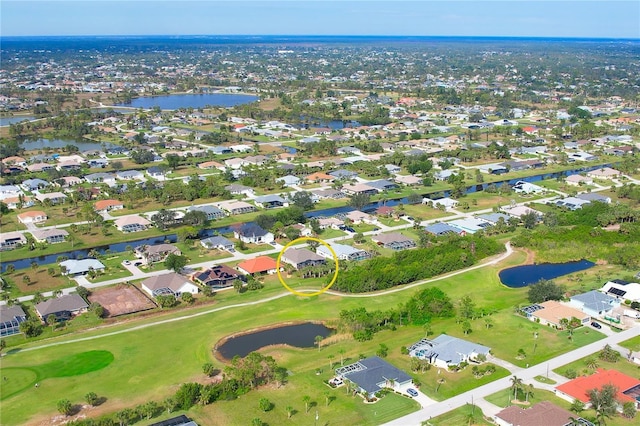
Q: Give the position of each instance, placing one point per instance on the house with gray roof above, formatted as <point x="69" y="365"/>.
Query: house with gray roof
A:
<point x="373" y="374"/>
<point x="445" y="351"/>
<point x="171" y="284"/>
<point x="75" y="267"/>
<point x="571" y="203"/>
<point x="594" y="196"/>
<point x="252" y="233"/>
<point x="217" y="242"/>
<point x="63" y="307"/>
<point x="289" y="180"/>
<point x="302" y="258"/>
<point x="271" y="201"/>
<point x="494" y="218"/>
<point x="343" y="174"/>
<point x="34" y="184"/>
<point x="382" y="185"/>
<point x="212" y="212"/>
<point x="10" y="319"/>
<point x="443" y="229"/>
<point x="394" y="241"/>
<point x="343" y="252"/>
<point x="50" y="236"/>
<point x="594" y="303"/>
<point x="11" y="240"/>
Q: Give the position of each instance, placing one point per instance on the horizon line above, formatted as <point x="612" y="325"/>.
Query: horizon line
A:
<point x="321" y="35"/>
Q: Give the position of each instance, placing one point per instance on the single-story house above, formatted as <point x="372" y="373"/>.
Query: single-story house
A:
<point x="594" y="196"/>
<point x="132" y="223"/>
<point x="35" y="216"/>
<point x="519" y="211"/>
<point x="445" y="351"/>
<point x="234" y="207"/>
<point x="319" y="177"/>
<point x="578" y="388"/>
<point x="577" y="180"/>
<point x="302" y="258"/>
<point x="218" y="276"/>
<point x="343" y="174"/>
<point x="212" y="212"/>
<point x="446" y="202"/>
<point x="394" y="241"/>
<point x="168" y="284"/>
<point x="52" y="197"/>
<point x="217" y="242"/>
<point x="10" y="319"/>
<point x="75" y="267"/>
<point x="382" y="185"/>
<point x="469" y="225"/>
<point x="11" y="240"/>
<point x="330" y="222"/>
<point x="63" y="307"/>
<point x="106" y="178"/>
<point x="258" y="265"/>
<point x="271" y="201"/>
<point x="289" y="180"/>
<point x="359" y="188"/>
<point x="156" y="252"/>
<point x="23" y="202"/>
<point x="104" y="206"/>
<point x="440" y="228"/>
<point x="522" y="187"/>
<point x="236" y="189"/>
<point x="621" y="289"/>
<point x="408" y="180"/>
<point x="493" y="218"/>
<point x="552" y="312"/>
<point x="251" y="233"/>
<point x="543" y="413"/>
<point x="373" y="374"/>
<point x="604" y="173"/>
<point x="130" y="175"/>
<point x="571" y="203"/>
<point x="356" y="216"/>
<point x="50" y="236"/>
<point x="594" y="303"/>
<point x="344" y="252"/>
<point x="34" y="184"/>
<point x="156" y="172"/>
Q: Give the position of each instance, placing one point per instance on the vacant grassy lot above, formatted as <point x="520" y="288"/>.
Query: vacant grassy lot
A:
<point x="465" y="415"/>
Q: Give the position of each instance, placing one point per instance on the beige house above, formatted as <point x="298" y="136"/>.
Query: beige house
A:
<point x="553" y="312"/>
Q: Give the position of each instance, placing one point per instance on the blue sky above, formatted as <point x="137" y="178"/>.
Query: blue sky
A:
<point x="525" y="18"/>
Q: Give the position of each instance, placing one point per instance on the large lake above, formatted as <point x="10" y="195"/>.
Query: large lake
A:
<point x="82" y="144"/>
<point x="522" y="276"/>
<point x="192" y="101"/>
<point x="298" y="335"/>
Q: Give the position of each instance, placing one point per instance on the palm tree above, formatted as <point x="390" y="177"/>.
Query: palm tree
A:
<point x="528" y="391"/>
<point x="516" y="385"/>
<point x="342" y="351"/>
<point x="289" y="410"/>
<point x="330" y="357"/>
<point x="306" y="399"/>
<point x="327" y="397"/>
<point x="318" y="340"/>
<point x="592" y="363"/>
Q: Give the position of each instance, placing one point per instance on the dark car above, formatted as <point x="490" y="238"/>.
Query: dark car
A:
<point x="596" y="325"/>
<point x="412" y="392"/>
<point x="349" y="229"/>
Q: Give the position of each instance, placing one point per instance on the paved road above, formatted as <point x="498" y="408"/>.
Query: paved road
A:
<point x="527" y="375"/>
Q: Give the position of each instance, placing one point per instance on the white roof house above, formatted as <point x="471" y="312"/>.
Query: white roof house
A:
<point x="344" y="252"/>
<point x="81" y="267"/>
<point x="445" y="350"/>
<point x="622" y="290"/>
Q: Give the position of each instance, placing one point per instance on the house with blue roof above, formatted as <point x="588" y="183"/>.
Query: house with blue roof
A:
<point x="469" y="225"/>
<point x="443" y="229"/>
<point x="594" y="303"/>
<point x="382" y="185"/>
<point x="211" y="212"/>
<point x="445" y="351"/>
<point x="493" y="218"/>
<point x="252" y="233"/>
<point x="271" y="201"/>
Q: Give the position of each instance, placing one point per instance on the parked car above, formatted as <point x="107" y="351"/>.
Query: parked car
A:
<point x="412" y="392"/>
<point x="596" y="325"/>
<point x="350" y="229"/>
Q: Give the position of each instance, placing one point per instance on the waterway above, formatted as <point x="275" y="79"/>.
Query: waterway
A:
<point x="298" y="335"/>
<point x="5" y="121"/>
<point x="120" y="247"/>
<point x="82" y="144"/>
<point x="172" y="102"/>
<point x="522" y="276"/>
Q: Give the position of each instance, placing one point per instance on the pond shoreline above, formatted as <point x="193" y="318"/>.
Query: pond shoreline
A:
<point x="218" y="356"/>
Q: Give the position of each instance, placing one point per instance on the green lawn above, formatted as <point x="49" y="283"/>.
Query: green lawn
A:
<point x="152" y="362"/>
<point x="504" y="398"/>
<point x="463" y="416"/>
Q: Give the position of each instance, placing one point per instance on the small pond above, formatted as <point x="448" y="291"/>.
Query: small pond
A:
<point x="522" y="276"/>
<point x="5" y="121"/>
<point x="298" y="335"/>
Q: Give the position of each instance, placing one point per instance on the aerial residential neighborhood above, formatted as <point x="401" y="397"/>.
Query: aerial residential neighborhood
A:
<point x="346" y="229"/>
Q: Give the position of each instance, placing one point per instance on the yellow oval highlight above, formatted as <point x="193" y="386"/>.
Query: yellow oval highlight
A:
<point x="302" y="239"/>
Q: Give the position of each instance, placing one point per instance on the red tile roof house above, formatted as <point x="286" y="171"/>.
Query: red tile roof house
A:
<point x="35" y="216"/>
<point x="104" y="206"/>
<point x="258" y="265"/>
<point x="628" y="387"/>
